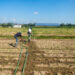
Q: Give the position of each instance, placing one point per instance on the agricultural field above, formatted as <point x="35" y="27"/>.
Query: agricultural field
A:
<point x="38" y="31"/>
<point x="9" y="57"/>
<point x="45" y="56"/>
<point x="11" y="31"/>
<point x="54" y="31"/>
<point x="51" y="57"/>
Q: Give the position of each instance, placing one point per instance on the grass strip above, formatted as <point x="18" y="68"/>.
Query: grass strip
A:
<point x="53" y="37"/>
<point x="40" y="37"/>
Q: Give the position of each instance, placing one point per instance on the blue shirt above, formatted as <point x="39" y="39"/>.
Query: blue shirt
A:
<point x="17" y="35"/>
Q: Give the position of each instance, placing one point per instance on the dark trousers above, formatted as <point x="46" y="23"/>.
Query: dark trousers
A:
<point x="29" y="37"/>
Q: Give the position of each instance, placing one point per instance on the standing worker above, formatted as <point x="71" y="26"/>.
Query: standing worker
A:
<point x="29" y="34"/>
<point x="16" y="37"/>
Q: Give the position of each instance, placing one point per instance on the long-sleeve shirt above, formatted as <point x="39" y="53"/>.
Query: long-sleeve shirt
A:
<point x="17" y="35"/>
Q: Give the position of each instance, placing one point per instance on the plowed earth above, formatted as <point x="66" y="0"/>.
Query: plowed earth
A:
<point x="45" y="57"/>
<point x="9" y="57"/>
<point x="51" y="57"/>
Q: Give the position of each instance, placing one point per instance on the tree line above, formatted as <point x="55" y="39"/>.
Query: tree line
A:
<point x="6" y="25"/>
<point x="12" y="24"/>
<point x="33" y="25"/>
<point x="67" y="25"/>
<point x="29" y="25"/>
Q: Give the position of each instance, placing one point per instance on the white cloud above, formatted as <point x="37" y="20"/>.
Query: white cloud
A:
<point x="36" y="13"/>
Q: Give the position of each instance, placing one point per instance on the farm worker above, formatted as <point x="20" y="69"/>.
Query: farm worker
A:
<point x="29" y="34"/>
<point x="16" y="37"/>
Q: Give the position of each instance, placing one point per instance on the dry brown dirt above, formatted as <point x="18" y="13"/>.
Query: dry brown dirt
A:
<point x="9" y="56"/>
<point x="45" y="57"/>
<point x="51" y="57"/>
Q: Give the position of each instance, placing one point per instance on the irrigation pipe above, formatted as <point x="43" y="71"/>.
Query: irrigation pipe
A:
<point x="18" y="60"/>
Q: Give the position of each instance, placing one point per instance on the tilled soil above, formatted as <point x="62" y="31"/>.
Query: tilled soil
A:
<point x="9" y="57"/>
<point x="45" y="57"/>
<point x="50" y="61"/>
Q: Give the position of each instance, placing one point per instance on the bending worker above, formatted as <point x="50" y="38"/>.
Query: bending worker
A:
<point x="16" y="37"/>
<point x="29" y="34"/>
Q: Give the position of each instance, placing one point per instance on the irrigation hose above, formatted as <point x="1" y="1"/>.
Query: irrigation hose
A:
<point x="25" y="61"/>
<point x="18" y="61"/>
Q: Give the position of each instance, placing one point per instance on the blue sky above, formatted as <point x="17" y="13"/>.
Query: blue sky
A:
<point x="37" y="11"/>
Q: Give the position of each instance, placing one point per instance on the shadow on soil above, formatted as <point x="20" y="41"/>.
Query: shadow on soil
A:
<point x="12" y="44"/>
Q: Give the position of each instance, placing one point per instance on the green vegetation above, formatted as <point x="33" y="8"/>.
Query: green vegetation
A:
<point x="40" y="32"/>
<point x="54" y="31"/>
<point x="28" y="25"/>
<point x="54" y="37"/>
<point x="67" y="25"/>
<point x="6" y="25"/>
<point x="12" y="24"/>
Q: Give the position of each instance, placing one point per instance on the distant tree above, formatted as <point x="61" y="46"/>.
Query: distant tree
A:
<point x="0" y="24"/>
<point x="9" y="24"/>
<point x="4" y="25"/>
<point x="31" y="25"/>
<point x="69" y="25"/>
<point x="62" y="24"/>
<point x="24" y="25"/>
